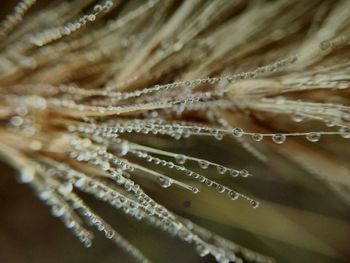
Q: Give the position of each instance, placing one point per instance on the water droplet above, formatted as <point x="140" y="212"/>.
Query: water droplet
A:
<point x="105" y="166"/>
<point x="184" y="234"/>
<point x="124" y="148"/>
<point x="202" y="250"/>
<point x="87" y="243"/>
<point x="109" y="234"/>
<point x="16" y="121"/>
<point x="203" y="164"/>
<point x="219" y="136"/>
<point x="237" y="132"/>
<point x="164" y="182"/>
<point x="195" y="190"/>
<point x="99" y="226"/>
<point x="220" y="188"/>
<point x="214" y="132"/>
<point x="254" y="204"/>
<point x="197" y="130"/>
<point x="279" y="138"/>
<point x="98" y="8"/>
<point x="57" y="210"/>
<point x="65" y="188"/>
<point x="257" y="137"/>
<point x="70" y="223"/>
<point x="80" y="182"/>
<point x="233" y="195"/>
<point x="170" y="165"/>
<point x="91" y="17"/>
<point x="298" y="117"/>
<point x="234" y="173"/>
<point x="150" y="210"/>
<point x="330" y="124"/>
<point x="44" y="195"/>
<point x="26" y="177"/>
<point x="201" y="179"/>
<point x="221" y="258"/>
<point x="244" y="173"/>
<point x="189" y="172"/>
<point x="221" y="169"/>
<point x="208" y="182"/>
<point x="180" y="158"/>
<point x="345" y="132"/>
<point x="313" y="137"/>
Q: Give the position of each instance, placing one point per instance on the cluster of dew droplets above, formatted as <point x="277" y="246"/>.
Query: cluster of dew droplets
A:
<point x="233" y="195"/>
<point x="166" y="182"/>
<point x="56" y="186"/>
<point x="184" y="130"/>
<point x="72" y="204"/>
<point x="104" y="163"/>
<point x="52" y="34"/>
<point x="230" y="249"/>
<point x="100" y="189"/>
<point x="69" y="202"/>
<point x="182" y="159"/>
<point x="181" y="129"/>
<point x="59" y="208"/>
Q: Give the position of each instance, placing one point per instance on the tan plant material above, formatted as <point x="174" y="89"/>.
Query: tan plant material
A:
<point x="94" y="94"/>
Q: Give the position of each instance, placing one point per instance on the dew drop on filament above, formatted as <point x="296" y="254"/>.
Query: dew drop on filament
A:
<point x="220" y="188"/>
<point x="164" y="182"/>
<point x="257" y="137"/>
<point x="330" y="124"/>
<point x="234" y="173"/>
<point x="254" y="204"/>
<point x="202" y="250"/>
<point x="87" y="243"/>
<point x="297" y="117"/>
<point x="180" y="158"/>
<point x="313" y="137"/>
<point x="124" y="149"/>
<point x="57" y="210"/>
<point x="237" y="132"/>
<point x="65" y="189"/>
<point x="201" y="179"/>
<point x="208" y="182"/>
<point x="244" y="173"/>
<point x="195" y="190"/>
<point x="279" y="138"/>
<point x="203" y="164"/>
<point x="219" y="136"/>
<point x="233" y="195"/>
<point x="109" y="234"/>
<point x="221" y="169"/>
<point x="345" y="132"/>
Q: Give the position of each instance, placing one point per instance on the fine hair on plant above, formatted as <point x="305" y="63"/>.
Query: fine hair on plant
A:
<point x="95" y="94"/>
